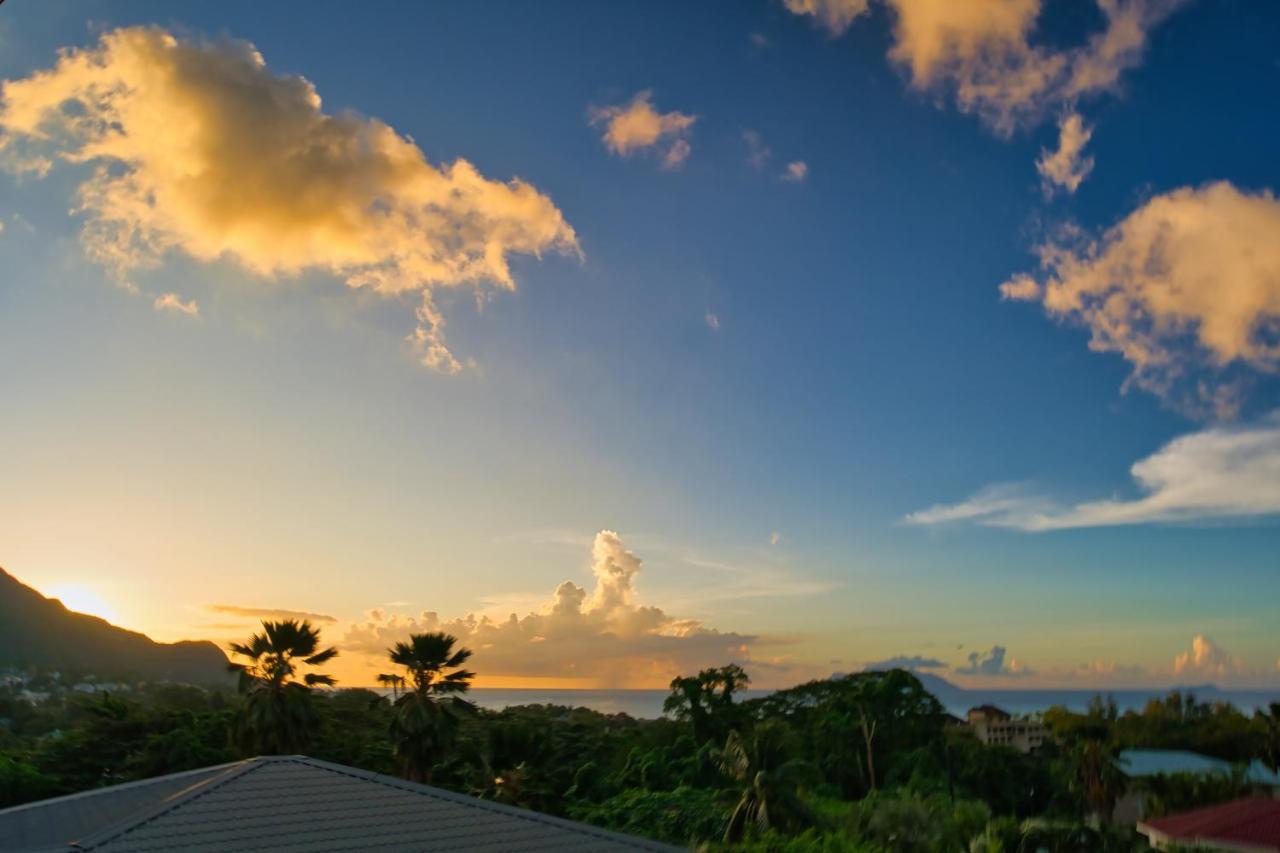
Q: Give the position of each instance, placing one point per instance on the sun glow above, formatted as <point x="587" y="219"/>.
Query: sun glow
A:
<point x="83" y="599"/>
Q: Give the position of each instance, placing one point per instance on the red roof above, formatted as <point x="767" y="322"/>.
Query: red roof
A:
<point x="1253" y="822"/>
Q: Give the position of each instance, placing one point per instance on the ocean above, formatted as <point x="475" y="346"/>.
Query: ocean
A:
<point x="647" y="704"/>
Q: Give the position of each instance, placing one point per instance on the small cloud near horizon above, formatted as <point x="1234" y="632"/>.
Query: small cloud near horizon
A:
<point x="269" y="613"/>
<point x="601" y="636"/>
<point x="992" y="663"/>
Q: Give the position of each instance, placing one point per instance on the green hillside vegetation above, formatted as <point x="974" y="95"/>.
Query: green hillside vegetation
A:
<point x="864" y="762"/>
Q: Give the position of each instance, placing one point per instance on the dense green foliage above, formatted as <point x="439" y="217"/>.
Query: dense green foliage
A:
<point x="866" y="762"/>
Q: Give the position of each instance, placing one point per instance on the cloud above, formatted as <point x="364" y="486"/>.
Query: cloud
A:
<point x="198" y="148"/>
<point x="796" y="171"/>
<point x="836" y="15"/>
<point x="637" y="127"/>
<point x="603" y="635"/>
<point x="982" y="52"/>
<point x="906" y="662"/>
<point x="713" y="321"/>
<point x="758" y="153"/>
<point x="269" y="613"/>
<point x="173" y="302"/>
<point x="1066" y="168"/>
<point x="1206" y="659"/>
<point x="774" y="538"/>
<point x="1218" y="472"/>
<point x="1184" y="287"/>
<point x="992" y="663"/>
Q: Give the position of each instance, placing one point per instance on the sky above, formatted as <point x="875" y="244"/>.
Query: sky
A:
<point x="625" y="339"/>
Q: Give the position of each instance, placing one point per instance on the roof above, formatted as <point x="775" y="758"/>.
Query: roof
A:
<point x="290" y="803"/>
<point x="991" y="711"/>
<point x="1152" y="762"/>
<point x="1249" y="824"/>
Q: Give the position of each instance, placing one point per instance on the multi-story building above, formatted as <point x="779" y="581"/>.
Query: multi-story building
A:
<point x="996" y="727"/>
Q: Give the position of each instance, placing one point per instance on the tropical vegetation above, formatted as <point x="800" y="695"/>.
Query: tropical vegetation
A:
<point x="863" y="762"/>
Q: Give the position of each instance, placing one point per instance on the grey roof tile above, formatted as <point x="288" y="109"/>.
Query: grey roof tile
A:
<point x="294" y="804"/>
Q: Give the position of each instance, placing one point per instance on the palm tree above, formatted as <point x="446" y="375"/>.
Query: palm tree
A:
<point x="394" y="681"/>
<point x="428" y="711"/>
<point x="277" y="716"/>
<point x="771" y="779"/>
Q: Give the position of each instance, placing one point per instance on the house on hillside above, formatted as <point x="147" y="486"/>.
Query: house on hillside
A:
<point x="291" y="803"/>
<point x="1140" y="764"/>
<point x="996" y="727"/>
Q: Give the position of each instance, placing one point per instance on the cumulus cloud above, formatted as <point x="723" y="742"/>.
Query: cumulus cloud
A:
<point x="603" y="636"/>
<point x="1218" y="472"/>
<point x="1183" y="288"/>
<point x="985" y="54"/>
<point x="905" y="662"/>
<point x="269" y="613"/>
<point x="1206" y="659"/>
<point x="199" y="148"/>
<point x="636" y="126"/>
<point x="796" y="171"/>
<point x="1066" y="168"/>
<point x="174" y="302"/>
<point x="993" y="663"/>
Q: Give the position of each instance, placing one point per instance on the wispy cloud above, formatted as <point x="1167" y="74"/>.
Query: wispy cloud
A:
<point x="758" y="153"/>
<point x="906" y="662"/>
<point x="174" y="302"/>
<point x="269" y="613"/>
<point x="174" y="122"/>
<point x="637" y="127"/>
<point x="712" y="321"/>
<point x="1217" y="473"/>
<point x="796" y="171"/>
<point x="1067" y="167"/>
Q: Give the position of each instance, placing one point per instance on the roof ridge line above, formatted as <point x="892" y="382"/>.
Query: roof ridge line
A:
<point x="186" y="795"/>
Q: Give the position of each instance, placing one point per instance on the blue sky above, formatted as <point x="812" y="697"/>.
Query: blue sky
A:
<point x="285" y="448"/>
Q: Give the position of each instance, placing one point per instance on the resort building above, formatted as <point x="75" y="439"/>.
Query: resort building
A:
<point x="291" y="803"/>
<point x="996" y="727"/>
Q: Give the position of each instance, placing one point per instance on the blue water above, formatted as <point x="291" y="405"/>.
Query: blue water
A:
<point x="647" y="704"/>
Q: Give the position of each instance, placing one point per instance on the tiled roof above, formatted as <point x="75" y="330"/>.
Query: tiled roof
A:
<point x="292" y="803"/>
<point x="1248" y="824"/>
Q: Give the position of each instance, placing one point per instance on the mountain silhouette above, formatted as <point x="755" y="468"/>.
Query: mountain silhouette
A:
<point x="41" y="633"/>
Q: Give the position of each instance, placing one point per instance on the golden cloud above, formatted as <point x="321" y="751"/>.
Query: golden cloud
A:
<point x="637" y="126"/>
<point x="1188" y="282"/>
<point x="602" y="637"/>
<point x="200" y="148"/>
<point x="1067" y="168"/>
<point x="983" y="51"/>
